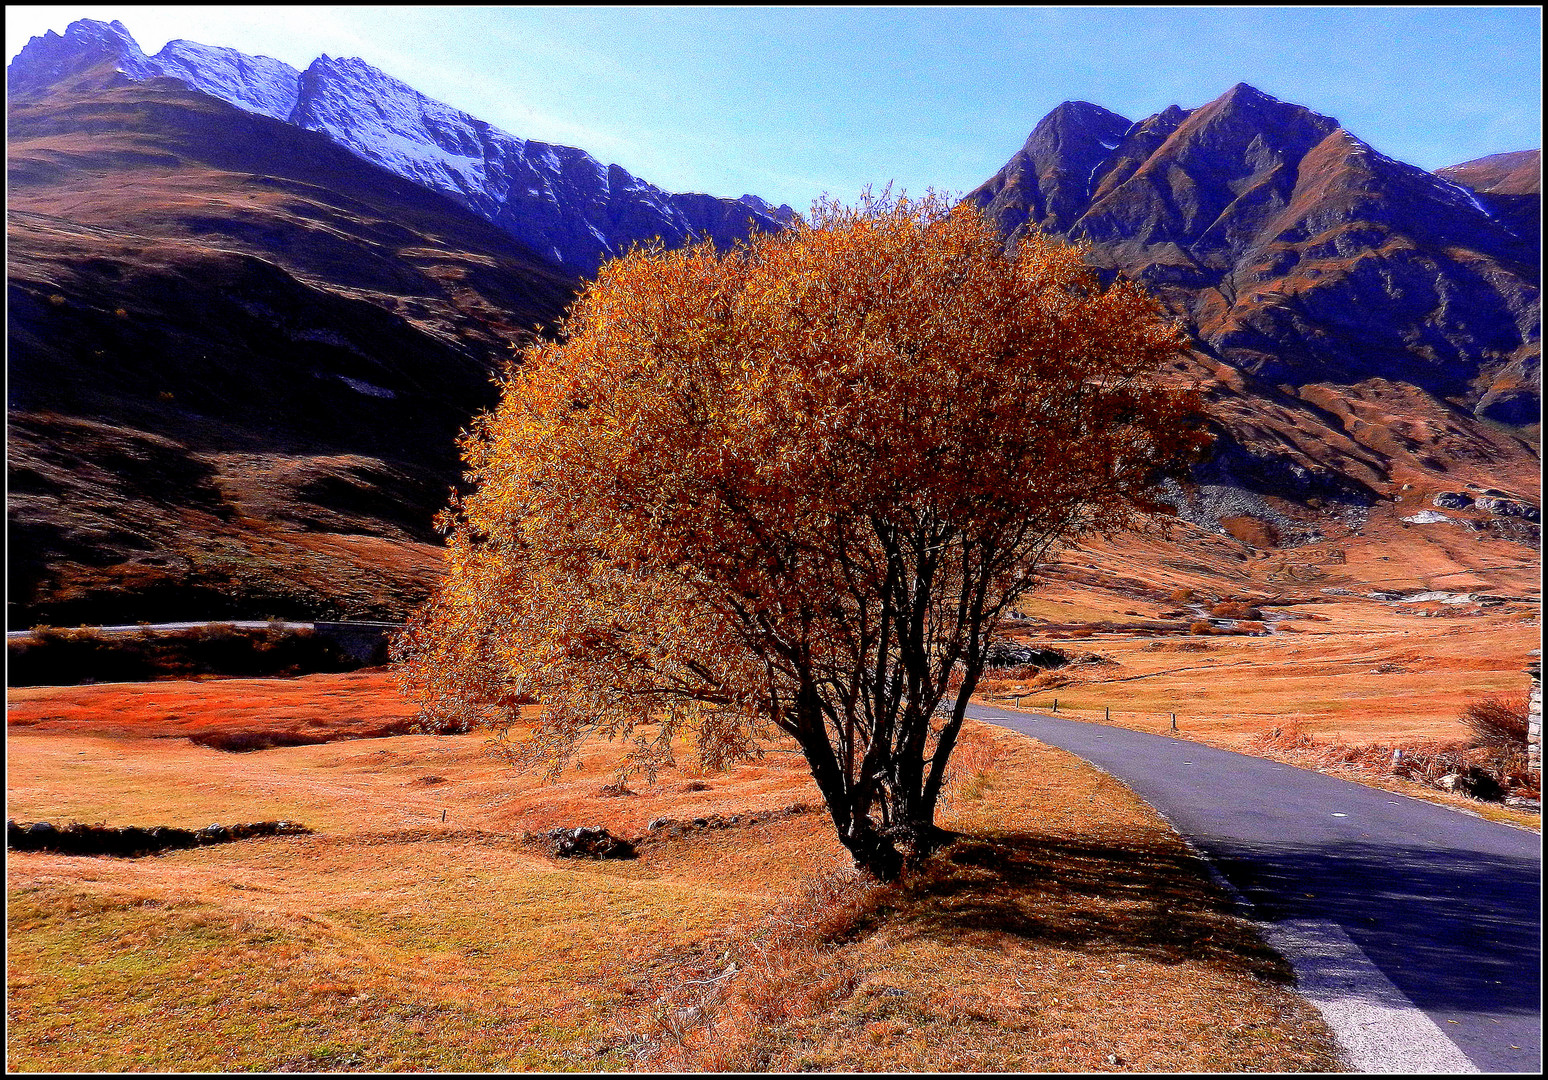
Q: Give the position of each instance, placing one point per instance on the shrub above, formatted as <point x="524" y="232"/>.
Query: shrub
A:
<point x="1288" y="736"/>
<point x="1201" y="627"/>
<point x="1498" y="723"/>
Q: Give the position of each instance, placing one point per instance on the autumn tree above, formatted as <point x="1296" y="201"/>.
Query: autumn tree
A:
<point x="795" y="487"/>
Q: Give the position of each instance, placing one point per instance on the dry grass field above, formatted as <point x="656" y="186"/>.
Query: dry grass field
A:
<point x="1342" y="655"/>
<point x="424" y="926"/>
<point x="1067" y="926"/>
<point x="1369" y="672"/>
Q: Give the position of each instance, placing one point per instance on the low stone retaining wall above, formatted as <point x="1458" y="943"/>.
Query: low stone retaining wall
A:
<point x="363" y="642"/>
<point x="134" y="840"/>
<point x="594" y="842"/>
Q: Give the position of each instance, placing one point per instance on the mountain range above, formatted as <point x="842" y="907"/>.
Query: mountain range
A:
<point x="251" y="307"/>
<point x="1358" y="323"/>
<point x="559" y="201"/>
<point x="1295" y="250"/>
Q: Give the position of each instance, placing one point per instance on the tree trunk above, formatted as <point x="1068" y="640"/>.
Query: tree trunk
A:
<point x="873" y="851"/>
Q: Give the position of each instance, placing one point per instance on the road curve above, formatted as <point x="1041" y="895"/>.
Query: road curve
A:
<point x="1442" y="906"/>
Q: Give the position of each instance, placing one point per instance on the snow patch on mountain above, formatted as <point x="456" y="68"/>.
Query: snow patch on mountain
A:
<point x="258" y="84"/>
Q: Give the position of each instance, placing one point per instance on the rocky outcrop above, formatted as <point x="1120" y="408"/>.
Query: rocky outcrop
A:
<point x="1003" y="654"/>
<point x="587" y="842"/>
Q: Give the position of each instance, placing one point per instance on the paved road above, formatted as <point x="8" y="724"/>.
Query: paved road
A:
<point x="1444" y="905"/>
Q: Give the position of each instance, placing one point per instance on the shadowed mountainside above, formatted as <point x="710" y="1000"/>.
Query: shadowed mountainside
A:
<point x="239" y="357"/>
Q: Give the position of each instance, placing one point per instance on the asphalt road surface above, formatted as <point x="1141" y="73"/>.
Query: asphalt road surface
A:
<point x="1414" y="928"/>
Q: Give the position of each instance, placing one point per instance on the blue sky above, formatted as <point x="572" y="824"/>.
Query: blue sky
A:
<point x="788" y="103"/>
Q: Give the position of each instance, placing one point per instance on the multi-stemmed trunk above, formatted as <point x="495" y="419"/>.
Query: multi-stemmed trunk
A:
<point x="884" y="810"/>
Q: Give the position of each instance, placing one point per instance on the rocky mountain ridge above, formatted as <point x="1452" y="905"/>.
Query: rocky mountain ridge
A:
<point x="1293" y="249"/>
<point x="558" y="200"/>
<point x="246" y="323"/>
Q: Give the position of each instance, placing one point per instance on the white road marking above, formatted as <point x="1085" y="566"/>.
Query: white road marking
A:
<point x="1379" y="1028"/>
<point x="1340" y="815"/>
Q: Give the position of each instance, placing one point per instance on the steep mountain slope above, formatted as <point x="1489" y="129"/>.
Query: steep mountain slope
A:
<point x="1508" y="186"/>
<point x="239" y="357"/>
<point x="1356" y="318"/>
<point x="1516" y="173"/>
<point x="558" y="200"/>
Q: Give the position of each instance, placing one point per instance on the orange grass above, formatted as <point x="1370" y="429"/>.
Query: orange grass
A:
<point x="1372" y="673"/>
<point x="1067" y="929"/>
<point x="392" y="939"/>
<point x="359" y="704"/>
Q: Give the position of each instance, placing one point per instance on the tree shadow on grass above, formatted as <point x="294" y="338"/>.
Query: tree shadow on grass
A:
<point x="1138" y="900"/>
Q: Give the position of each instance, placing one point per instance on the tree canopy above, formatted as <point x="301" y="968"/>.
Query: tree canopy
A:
<point x="795" y="487"/>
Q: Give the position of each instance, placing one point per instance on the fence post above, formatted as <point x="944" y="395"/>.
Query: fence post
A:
<point x="1174" y="721"/>
<point x="1109" y="716"/>
<point x="1018" y="701"/>
<point x="1056" y="705"/>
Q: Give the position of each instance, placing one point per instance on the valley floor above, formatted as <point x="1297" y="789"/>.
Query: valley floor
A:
<point x="424" y="925"/>
<point x="1069" y="929"/>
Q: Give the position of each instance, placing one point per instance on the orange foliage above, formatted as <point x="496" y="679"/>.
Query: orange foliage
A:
<point x="796" y="485"/>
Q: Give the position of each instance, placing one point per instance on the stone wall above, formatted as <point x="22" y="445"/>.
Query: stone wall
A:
<point x="1535" y="718"/>
<point x="363" y="642"/>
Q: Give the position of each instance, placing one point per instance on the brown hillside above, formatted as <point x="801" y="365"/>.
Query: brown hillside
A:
<point x="1517" y="173"/>
<point x="239" y="357"/>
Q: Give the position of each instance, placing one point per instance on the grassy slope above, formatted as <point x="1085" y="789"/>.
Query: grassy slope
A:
<point x="239" y="359"/>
